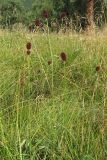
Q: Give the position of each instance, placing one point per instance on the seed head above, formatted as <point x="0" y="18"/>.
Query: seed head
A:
<point x="30" y="28"/>
<point x="63" y="15"/>
<point x="28" y="52"/>
<point x="49" y="62"/>
<point x="45" y="14"/>
<point x="98" y="68"/>
<point x="63" y="56"/>
<point x="37" y="22"/>
<point x="28" y="46"/>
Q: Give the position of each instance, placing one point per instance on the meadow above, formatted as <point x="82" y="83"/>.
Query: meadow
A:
<point x="53" y="106"/>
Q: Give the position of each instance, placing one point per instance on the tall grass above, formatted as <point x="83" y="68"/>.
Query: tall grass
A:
<point x="56" y="111"/>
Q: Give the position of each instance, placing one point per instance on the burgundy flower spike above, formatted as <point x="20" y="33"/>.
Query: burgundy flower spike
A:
<point x="63" y="15"/>
<point x="37" y="22"/>
<point x="49" y="62"/>
<point x="28" y="45"/>
<point x="63" y="56"/>
<point x="98" y="68"/>
<point x="30" y="28"/>
<point x="45" y="14"/>
<point x="28" y="52"/>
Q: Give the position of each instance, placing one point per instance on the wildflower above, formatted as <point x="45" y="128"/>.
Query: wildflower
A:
<point x="49" y="62"/>
<point x="30" y="28"/>
<point x="28" y="46"/>
<point x="63" y="56"/>
<point x="98" y="68"/>
<point x="45" y="14"/>
<point x="37" y="22"/>
<point x="62" y="15"/>
<point x="28" y="52"/>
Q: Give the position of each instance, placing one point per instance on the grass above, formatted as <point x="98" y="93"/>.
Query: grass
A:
<point x="56" y="111"/>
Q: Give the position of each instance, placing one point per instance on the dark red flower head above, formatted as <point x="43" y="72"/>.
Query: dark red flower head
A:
<point x="37" y="22"/>
<point x="98" y="68"/>
<point x="28" y="46"/>
<point x="63" y="56"/>
<point x="63" y="15"/>
<point x="45" y="14"/>
<point x="28" y="52"/>
<point x="30" y="28"/>
<point x="49" y="62"/>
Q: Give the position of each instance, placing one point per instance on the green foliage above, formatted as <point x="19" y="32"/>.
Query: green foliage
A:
<point x="100" y="12"/>
<point x="26" y="11"/>
<point x="11" y="13"/>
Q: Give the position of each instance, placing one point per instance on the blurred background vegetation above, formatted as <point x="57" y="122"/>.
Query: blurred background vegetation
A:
<point x="26" y="11"/>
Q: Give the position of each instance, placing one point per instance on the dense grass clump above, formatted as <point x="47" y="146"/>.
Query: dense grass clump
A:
<point x="53" y="101"/>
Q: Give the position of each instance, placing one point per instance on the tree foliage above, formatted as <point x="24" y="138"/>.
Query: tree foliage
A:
<point x="24" y="11"/>
<point x="11" y="13"/>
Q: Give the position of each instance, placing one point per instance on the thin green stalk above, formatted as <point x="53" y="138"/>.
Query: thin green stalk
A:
<point x="50" y="47"/>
